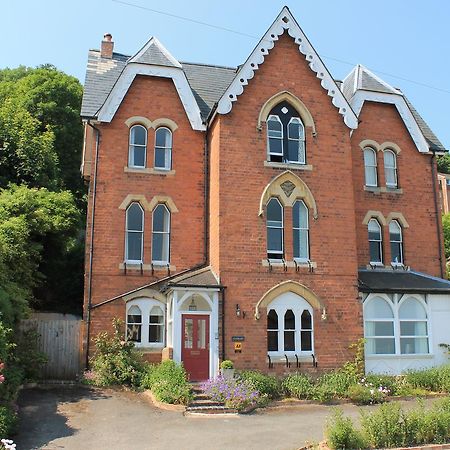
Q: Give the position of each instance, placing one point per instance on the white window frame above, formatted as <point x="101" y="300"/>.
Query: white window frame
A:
<point x="167" y="151"/>
<point x="368" y="167"/>
<point x="276" y="252"/>
<point x="380" y="242"/>
<point x="132" y="146"/>
<point x="395" y="302"/>
<point x="297" y="304"/>
<point x="401" y="262"/>
<point x="392" y="168"/>
<point x="146" y="305"/>
<point x="127" y="260"/>
<point x="298" y="259"/>
<point x="301" y="140"/>
<point x="134" y="323"/>
<point x="158" y="262"/>
<point x="269" y="152"/>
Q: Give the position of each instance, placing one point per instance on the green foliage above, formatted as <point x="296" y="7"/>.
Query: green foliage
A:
<point x="27" y="356"/>
<point x="436" y="379"/>
<point x="334" y="384"/>
<point x="365" y="395"/>
<point x="226" y="364"/>
<point x="168" y="382"/>
<point x="446" y="231"/>
<point x="266" y="385"/>
<point x="116" y="361"/>
<point x="298" y="385"/>
<point x="443" y="163"/>
<point x="8" y="421"/>
<point x="341" y="434"/>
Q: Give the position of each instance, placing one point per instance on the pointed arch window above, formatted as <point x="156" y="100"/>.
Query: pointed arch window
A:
<point x="163" y="148"/>
<point x="396" y="239"/>
<point x="413" y="327"/>
<point x="275" y="229"/>
<point x="272" y="331"/>
<point x="300" y="226"/>
<point x="156" y="325"/>
<point x="137" y="152"/>
<point x="370" y="167"/>
<point x="134" y="233"/>
<point x="390" y="168"/>
<point x="134" y="324"/>
<point x="379" y="327"/>
<point x="375" y="242"/>
<point x="285" y="135"/>
<point x="161" y="235"/>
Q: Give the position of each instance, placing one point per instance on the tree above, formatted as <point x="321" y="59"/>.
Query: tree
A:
<point x="446" y="230"/>
<point x="443" y="163"/>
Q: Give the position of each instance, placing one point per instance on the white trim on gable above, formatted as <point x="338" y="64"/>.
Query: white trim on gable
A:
<point x="131" y="70"/>
<point x="154" y="41"/>
<point x="285" y="21"/>
<point x="398" y="100"/>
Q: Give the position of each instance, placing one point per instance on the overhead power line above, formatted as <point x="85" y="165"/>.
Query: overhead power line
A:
<point x="239" y="33"/>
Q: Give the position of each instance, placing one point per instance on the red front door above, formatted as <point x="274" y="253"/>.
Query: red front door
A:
<point x="195" y="346"/>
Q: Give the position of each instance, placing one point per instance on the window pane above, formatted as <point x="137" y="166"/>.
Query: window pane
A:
<point x="155" y="333"/>
<point x="160" y="158"/>
<point x="274" y="211"/>
<point x="274" y="127"/>
<point x="201" y="334"/>
<point x="379" y="328"/>
<point x="134" y="332"/>
<point x="412" y="309"/>
<point x="163" y="138"/>
<point x="295" y="129"/>
<point x="306" y="320"/>
<point x="138" y="135"/>
<point x="369" y="158"/>
<point x="272" y="320"/>
<point x="157" y="247"/>
<point x="300" y="215"/>
<point x="375" y="251"/>
<point x="289" y="341"/>
<point x="413" y="345"/>
<point x="289" y="320"/>
<point x="134" y="246"/>
<point x="389" y="159"/>
<point x="160" y="219"/>
<point x="306" y="341"/>
<point x="301" y="250"/>
<point x="276" y="146"/>
<point x="137" y="156"/>
<point x="396" y="252"/>
<point x="413" y="328"/>
<point x="165" y="247"/>
<point x="134" y="217"/>
<point x="272" y="341"/>
<point x="275" y="239"/>
<point x="188" y="333"/>
<point x="395" y="233"/>
<point x="391" y="179"/>
<point x="293" y="151"/>
<point x="374" y="230"/>
<point x="381" y="346"/>
<point x="378" y="308"/>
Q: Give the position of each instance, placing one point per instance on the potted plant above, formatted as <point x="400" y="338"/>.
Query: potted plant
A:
<point x="227" y="369"/>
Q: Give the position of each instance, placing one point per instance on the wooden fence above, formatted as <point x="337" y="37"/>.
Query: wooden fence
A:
<point x="60" y="338"/>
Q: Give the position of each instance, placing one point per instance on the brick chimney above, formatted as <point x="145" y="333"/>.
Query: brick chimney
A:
<point x="107" y="46"/>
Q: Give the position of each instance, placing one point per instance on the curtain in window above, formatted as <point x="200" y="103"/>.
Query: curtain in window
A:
<point x="300" y="228"/>
<point x="390" y="168"/>
<point x="274" y="223"/>
<point x="161" y="234"/>
<point x="375" y="241"/>
<point x="138" y="146"/>
<point x="134" y="233"/>
<point x="370" y="166"/>
<point x="163" y="148"/>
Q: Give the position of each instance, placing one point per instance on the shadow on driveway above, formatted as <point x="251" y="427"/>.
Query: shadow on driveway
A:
<point x="42" y="416"/>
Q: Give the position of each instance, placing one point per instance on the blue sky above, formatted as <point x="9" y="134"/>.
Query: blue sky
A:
<point x="405" y="38"/>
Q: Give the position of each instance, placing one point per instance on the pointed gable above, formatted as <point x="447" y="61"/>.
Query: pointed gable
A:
<point x="153" y="52"/>
<point x="286" y="22"/>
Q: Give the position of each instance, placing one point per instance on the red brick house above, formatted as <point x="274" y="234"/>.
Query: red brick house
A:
<point x="267" y="214"/>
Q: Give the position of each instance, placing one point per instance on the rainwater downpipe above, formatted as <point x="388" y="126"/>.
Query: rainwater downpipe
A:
<point x="91" y="241"/>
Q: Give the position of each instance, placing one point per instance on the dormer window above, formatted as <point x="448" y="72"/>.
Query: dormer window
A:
<point x="285" y="135"/>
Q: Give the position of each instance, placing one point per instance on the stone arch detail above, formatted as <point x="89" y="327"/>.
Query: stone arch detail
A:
<point x="374" y="215"/>
<point x="399" y="217"/>
<point x="138" y="198"/>
<point x="138" y="120"/>
<point x="288" y="188"/>
<point x="164" y="122"/>
<point x="301" y="108"/>
<point x="145" y="293"/>
<point x="288" y="286"/>
<point x="163" y="199"/>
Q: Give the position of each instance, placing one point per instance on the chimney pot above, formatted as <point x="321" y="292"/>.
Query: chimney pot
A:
<point x="107" y="46"/>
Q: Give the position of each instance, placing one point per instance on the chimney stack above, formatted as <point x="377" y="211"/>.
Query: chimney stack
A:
<point x="107" y="46"/>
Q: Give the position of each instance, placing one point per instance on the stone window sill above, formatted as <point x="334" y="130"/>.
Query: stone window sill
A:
<point x="389" y="267"/>
<point x="278" y="165"/>
<point x="278" y="263"/>
<point x="149" y="170"/>
<point x="383" y="189"/>
<point x="146" y="267"/>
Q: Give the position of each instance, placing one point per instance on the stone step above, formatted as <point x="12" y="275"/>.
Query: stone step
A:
<point x="206" y="402"/>
<point x="201" y="397"/>
<point x="210" y="410"/>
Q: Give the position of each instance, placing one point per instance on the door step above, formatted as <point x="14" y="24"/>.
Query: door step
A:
<point x="202" y="404"/>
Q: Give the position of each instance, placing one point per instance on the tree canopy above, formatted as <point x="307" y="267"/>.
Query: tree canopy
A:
<point x="443" y="163"/>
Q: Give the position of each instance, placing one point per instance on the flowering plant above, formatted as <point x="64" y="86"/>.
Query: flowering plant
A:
<point x="7" y="444"/>
<point x="235" y="393"/>
<point x="2" y="377"/>
<point x="368" y="393"/>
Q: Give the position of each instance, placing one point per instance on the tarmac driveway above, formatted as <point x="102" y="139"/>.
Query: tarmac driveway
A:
<point x="79" y="417"/>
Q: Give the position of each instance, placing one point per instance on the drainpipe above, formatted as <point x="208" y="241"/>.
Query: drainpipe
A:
<point x="437" y="209"/>
<point x="222" y="290"/>
<point x="91" y="242"/>
<point x="206" y="195"/>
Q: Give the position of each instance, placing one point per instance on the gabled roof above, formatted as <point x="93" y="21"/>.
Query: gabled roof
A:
<point x="286" y="22"/>
<point x="153" y="52"/>
<point x="204" y="277"/>
<point x="362" y="85"/>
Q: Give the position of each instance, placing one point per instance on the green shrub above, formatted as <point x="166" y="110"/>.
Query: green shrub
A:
<point x="334" y="384"/>
<point x="436" y="379"/>
<point x="27" y="356"/>
<point x="341" y="434"/>
<point x="168" y="382"/>
<point x="226" y="364"/>
<point x="298" y="385"/>
<point x="365" y="395"/>
<point x="266" y="385"/>
<point x="8" y="421"/>
<point x="116" y="361"/>
<point x="389" y="382"/>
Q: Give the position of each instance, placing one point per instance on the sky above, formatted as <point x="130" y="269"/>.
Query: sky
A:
<point x="405" y="42"/>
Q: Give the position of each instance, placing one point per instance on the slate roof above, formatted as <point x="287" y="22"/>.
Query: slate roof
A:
<point x="401" y="281"/>
<point x="153" y="52"/>
<point x="199" y="278"/>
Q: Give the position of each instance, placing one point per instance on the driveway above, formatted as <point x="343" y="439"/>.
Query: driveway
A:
<point x="78" y="417"/>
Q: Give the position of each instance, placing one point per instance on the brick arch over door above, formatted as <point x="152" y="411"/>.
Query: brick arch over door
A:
<point x="288" y="286"/>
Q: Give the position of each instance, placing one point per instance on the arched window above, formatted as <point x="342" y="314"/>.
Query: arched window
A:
<point x="413" y="327"/>
<point x="289" y="326"/>
<point x="390" y="168"/>
<point x="300" y="226"/>
<point x="379" y="327"/>
<point x="161" y="235"/>
<point x="285" y="135"/>
<point x="163" y="148"/>
<point x="275" y="244"/>
<point x="156" y="325"/>
<point x="370" y="166"/>
<point x="395" y="236"/>
<point x="138" y="146"/>
<point x="375" y="242"/>
<point x="134" y="233"/>
<point x="134" y="324"/>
